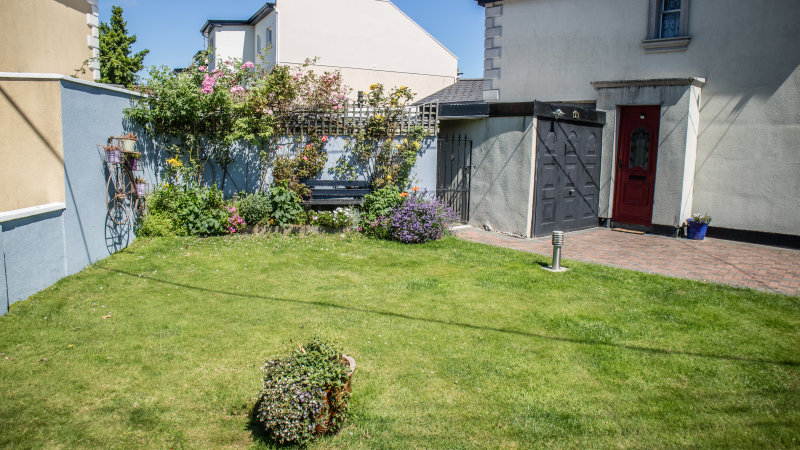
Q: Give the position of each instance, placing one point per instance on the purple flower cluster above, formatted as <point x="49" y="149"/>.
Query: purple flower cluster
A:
<point x="420" y="219"/>
<point x="235" y="222"/>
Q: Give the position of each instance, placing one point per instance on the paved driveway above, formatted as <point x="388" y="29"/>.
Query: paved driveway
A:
<point x="759" y="267"/>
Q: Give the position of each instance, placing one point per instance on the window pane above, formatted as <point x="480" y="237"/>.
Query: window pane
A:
<point x="640" y="146"/>
<point x="670" y="25"/>
<point x="672" y="5"/>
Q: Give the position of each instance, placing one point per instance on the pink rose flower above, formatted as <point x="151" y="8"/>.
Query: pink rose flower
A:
<point x="248" y="65"/>
<point x="202" y="68"/>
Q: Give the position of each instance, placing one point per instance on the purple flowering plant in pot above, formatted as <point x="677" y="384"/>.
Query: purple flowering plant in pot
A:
<point x="696" y="226"/>
<point x="420" y="218"/>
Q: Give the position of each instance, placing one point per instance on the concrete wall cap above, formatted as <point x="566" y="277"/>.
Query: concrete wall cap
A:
<point x="21" y="213"/>
<point x="56" y="76"/>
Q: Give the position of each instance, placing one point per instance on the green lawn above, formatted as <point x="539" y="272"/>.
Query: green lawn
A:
<point x="458" y="345"/>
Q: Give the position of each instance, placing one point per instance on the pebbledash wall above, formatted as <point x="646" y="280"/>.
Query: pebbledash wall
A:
<point x="53" y="193"/>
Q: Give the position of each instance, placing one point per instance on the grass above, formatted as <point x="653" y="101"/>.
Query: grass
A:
<point x="458" y="345"/>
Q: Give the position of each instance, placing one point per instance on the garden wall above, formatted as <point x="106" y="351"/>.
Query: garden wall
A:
<point x="42" y="243"/>
<point x="244" y="174"/>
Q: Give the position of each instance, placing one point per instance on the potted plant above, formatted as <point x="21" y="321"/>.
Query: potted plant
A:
<point x="141" y="186"/>
<point x="132" y="159"/>
<point x="697" y="226"/>
<point x="113" y="153"/>
<point x="128" y="142"/>
<point x="305" y="395"/>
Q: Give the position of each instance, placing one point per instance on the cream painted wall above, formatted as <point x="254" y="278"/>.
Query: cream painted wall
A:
<point x="45" y="36"/>
<point x="268" y="49"/>
<point x="361" y="79"/>
<point x="747" y="162"/>
<point x="363" y="34"/>
<point x="370" y="41"/>
<point x="233" y="41"/>
<point x="31" y="150"/>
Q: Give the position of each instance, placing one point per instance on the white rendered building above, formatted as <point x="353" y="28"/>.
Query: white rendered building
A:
<point x="369" y="41"/>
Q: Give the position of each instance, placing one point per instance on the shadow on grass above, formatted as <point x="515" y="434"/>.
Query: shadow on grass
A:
<point x="638" y="348"/>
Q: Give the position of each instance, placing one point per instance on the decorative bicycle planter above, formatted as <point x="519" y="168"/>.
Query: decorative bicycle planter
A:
<point x="125" y="197"/>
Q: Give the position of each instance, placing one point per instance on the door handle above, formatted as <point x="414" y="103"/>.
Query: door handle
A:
<point x="571" y="191"/>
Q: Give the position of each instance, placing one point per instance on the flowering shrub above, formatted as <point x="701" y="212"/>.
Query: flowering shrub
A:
<point x="338" y="218"/>
<point x="308" y="162"/>
<point x="235" y="222"/>
<point x="374" y="149"/>
<point x="420" y="219"/>
<point x="300" y="391"/>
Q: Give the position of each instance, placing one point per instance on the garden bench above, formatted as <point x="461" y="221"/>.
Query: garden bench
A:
<point x="336" y="192"/>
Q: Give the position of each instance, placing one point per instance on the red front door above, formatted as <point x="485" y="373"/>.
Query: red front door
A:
<point x="636" y="164"/>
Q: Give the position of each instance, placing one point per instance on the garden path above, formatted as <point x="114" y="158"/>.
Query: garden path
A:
<point x="766" y="268"/>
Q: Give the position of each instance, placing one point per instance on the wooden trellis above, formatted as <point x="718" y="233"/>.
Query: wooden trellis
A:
<point x="354" y="117"/>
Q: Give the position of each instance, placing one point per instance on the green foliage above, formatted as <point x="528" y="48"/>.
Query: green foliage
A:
<point x="380" y="203"/>
<point x="156" y="224"/>
<point x="285" y="205"/>
<point x="254" y="208"/>
<point x="117" y="65"/>
<point x="194" y="210"/>
<point x="296" y="165"/>
<point x="299" y="392"/>
<point x="375" y="149"/>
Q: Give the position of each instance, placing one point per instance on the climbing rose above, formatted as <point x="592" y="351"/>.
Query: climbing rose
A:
<point x="248" y="65"/>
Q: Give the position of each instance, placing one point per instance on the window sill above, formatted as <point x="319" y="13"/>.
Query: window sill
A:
<point x="676" y="44"/>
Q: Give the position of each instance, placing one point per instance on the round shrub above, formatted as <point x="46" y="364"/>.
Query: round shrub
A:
<point x="420" y="219"/>
<point x="285" y="206"/>
<point x="156" y="224"/>
<point x="305" y="394"/>
<point x="254" y="208"/>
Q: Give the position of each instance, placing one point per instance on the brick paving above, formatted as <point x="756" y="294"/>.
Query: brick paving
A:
<point x="771" y="269"/>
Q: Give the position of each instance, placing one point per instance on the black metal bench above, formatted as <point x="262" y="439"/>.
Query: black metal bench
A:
<point x="336" y="192"/>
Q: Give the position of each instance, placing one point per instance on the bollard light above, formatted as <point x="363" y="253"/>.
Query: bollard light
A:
<point x="558" y="242"/>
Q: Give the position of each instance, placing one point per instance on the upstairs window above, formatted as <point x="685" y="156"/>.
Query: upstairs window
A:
<point x="668" y="26"/>
<point x="670" y="18"/>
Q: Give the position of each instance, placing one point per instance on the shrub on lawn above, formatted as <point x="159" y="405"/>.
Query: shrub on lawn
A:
<point x="305" y="394"/>
<point x="420" y="219"/>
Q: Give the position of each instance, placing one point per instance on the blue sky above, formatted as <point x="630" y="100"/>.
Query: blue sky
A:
<point x="171" y="28"/>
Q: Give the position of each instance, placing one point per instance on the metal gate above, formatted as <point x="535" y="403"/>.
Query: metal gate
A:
<point x="567" y="177"/>
<point x="453" y="168"/>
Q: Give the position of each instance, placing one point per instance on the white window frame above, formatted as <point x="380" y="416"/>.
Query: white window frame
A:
<point x="654" y="43"/>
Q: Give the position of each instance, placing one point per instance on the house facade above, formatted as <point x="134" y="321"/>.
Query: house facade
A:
<point x="701" y="101"/>
<point x="369" y="41"/>
<point x="50" y="36"/>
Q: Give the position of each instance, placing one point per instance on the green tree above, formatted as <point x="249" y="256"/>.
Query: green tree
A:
<point x="117" y="65"/>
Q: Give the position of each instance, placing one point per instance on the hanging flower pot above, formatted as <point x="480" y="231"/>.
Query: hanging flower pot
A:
<point x="141" y="187"/>
<point x="128" y="142"/>
<point x="113" y="154"/>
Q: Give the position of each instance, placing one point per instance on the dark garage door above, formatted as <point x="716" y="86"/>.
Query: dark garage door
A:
<point x="567" y="169"/>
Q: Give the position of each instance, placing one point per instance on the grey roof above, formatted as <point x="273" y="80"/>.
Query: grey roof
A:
<point x="464" y="91"/>
<point x="260" y="14"/>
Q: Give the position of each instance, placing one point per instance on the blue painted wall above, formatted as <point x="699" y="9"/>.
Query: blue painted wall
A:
<point x="244" y="173"/>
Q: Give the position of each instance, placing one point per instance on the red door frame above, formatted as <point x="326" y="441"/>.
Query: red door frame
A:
<point x="634" y="187"/>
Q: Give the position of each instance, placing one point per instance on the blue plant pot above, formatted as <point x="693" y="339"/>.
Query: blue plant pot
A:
<point x="696" y="230"/>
